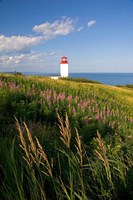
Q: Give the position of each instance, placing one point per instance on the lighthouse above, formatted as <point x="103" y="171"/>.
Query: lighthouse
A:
<point x="64" y="67"/>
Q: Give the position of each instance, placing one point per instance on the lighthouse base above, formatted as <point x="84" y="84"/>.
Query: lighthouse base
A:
<point x="64" y="70"/>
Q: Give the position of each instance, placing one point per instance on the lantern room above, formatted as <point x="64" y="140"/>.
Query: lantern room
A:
<point x="64" y="60"/>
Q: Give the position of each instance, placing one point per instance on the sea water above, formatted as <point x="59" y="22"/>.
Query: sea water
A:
<point x="105" y="78"/>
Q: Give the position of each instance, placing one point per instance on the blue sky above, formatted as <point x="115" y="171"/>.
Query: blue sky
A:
<point x="95" y="35"/>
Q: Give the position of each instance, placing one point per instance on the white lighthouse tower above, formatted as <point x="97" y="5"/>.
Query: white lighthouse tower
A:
<point x="64" y="67"/>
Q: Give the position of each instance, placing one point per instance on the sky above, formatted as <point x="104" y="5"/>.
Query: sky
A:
<point x="95" y="35"/>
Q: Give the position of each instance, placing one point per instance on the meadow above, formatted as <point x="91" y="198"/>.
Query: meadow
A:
<point x="63" y="139"/>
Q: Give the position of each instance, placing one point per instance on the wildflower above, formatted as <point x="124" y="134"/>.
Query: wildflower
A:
<point x="85" y="104"/>
<point x="62" y="96"/>
<point x="74" y="111"/>
<point x="55" y="96"/>
<point x="43" y="94"/>
<point x="86" y="119"/>
<point x="79" y="105"/>
<point x="131" y="120"/>
<point x="97" y="117"/>
<point x="48" y="97"/>
<point x="76" y="99"/>
<point x="83" y="108"/>
<point x="101" y="114"/>
<point x="88" y="101"/>
<point x="69" y="98"/>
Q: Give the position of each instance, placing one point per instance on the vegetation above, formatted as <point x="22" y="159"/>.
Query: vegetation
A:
<point x="127" y="86"/>
<point x="82" y="80"/>
<point x="62" y="139"/>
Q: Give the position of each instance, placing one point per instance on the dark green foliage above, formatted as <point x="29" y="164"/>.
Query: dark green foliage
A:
<point x="119" y="85"/>
<point x="81" y="80"/>
<point x="129" y="85"/>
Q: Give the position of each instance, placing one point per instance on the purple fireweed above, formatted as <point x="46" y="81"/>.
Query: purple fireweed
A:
<point x="48" y="97"/>
<point x="69" y="98"/>
<point x="76" y="99"/>
<point x="63" y="97"/>
<point x="79" y="105"/>
<point x="74" y="111"/>
<point x="86" y="119"/>
<point x="85" y="104"/>
<point x="43" y="94"/>
<point x="97" y="117"/>
<point x="88" y="101"/>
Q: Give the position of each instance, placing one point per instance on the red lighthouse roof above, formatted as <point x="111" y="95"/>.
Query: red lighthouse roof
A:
<point x="64" y="60"/>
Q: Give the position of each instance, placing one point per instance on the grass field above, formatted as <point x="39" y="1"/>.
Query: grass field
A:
<point x="63" y="139"/>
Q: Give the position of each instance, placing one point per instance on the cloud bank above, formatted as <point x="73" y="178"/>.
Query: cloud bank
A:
<point x="32" y="59"/>
<point x="17" y="43"/>
<point x="17" y="50"/>
<point x="47" y="31"/>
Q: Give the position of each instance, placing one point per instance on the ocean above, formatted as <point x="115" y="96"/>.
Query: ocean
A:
<point x="105" y="78"/>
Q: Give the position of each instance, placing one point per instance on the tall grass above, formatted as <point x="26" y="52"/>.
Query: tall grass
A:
<point x="76" y="141"/>
<point x="71" y="174"/>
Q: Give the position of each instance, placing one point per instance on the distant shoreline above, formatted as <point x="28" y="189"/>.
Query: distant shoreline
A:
<point x="110" y="78"/>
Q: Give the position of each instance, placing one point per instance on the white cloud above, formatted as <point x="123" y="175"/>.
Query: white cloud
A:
<point x="91" y="23"/>
<point x="48" y="31"/>
<point x="30" y="59"/>
<point x="80" y="28"/>
<point x="16" y="51"/>
<point x="17" y="43"/>
<point x="58" y="27"/>
<point x="6" y="60"/>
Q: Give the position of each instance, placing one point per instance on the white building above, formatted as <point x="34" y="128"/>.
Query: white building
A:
<point x="64" y="67"/>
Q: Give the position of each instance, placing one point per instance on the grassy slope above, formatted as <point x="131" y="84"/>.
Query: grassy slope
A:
<point x="99" y="175"/>
<point x="123" y="94"/>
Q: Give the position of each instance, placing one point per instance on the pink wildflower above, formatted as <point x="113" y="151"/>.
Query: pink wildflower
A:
<point x="74" y="111"/>
<point x="76" y="99"/>
<point x="97" y="117"/>
<point x="69" y="98"/>
<point x="62" y="96"/>
<point x="88" y="101"/>
<point x="131" y="120"/>
<point x="79" y="105"/>
<point x="85" y="104"/>
<point x="86" y="119"/>
<point x="48" y="97"/>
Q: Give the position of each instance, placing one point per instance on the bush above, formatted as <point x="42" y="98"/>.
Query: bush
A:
<point x="129" y="85"/>
<point x="81" y="80"/>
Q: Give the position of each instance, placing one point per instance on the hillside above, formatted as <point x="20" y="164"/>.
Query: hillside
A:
<point x="76" y="139"/>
